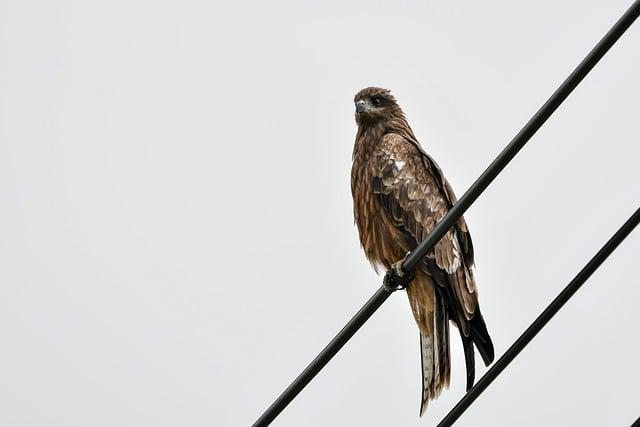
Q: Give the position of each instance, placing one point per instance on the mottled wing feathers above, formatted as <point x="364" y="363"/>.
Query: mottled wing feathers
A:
<point x="416" y="196"/>
<point x="461" y="226"/>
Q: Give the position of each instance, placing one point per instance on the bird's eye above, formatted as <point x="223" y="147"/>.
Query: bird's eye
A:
<point x="377" y="101"/>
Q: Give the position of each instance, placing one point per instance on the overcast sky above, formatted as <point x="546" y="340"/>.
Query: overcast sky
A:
<point x="176" y="228"/>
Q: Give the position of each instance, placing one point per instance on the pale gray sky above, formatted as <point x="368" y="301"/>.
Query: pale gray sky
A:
<point x="176" y="232"/>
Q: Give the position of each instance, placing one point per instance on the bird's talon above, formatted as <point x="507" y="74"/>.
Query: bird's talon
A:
<point x="396" y="278"/>
<point x="397" y="269"/>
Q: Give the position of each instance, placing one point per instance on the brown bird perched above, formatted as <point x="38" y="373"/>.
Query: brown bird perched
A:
<point x="399" y="194"/>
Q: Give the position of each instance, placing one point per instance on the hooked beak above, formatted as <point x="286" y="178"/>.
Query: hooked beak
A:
<point x="360" y="106"/>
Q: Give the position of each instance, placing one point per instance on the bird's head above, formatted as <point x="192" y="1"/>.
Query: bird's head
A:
<point x="374" y="105"/>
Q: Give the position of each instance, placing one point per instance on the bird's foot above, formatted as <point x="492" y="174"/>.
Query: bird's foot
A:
<point x="396" y="278"/>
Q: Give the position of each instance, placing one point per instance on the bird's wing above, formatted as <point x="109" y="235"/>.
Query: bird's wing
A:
<point x="415" y="195"/>
<point x="461" y="226"/>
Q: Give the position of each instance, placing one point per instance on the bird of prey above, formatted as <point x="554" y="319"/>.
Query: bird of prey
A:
<point x="399" y="194"/>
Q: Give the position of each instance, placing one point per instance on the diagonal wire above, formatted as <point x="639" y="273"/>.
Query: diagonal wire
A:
<point x="454" y="214"/>
<point x="523" y="136"/>
<point x="542" y="320"/>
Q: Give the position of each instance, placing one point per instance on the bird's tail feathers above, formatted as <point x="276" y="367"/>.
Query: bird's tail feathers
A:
<point x="435" y="356"/>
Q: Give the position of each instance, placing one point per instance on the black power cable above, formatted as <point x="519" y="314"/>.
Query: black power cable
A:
<point x="542" y="320"/>
<point x="477" y="188"/>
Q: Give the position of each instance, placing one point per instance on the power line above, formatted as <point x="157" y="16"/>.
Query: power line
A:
<point x="523" y="136"/>
<point x="325" y="356"/>
<point x="542" y="320"/>
<point x="453" y="215"/>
